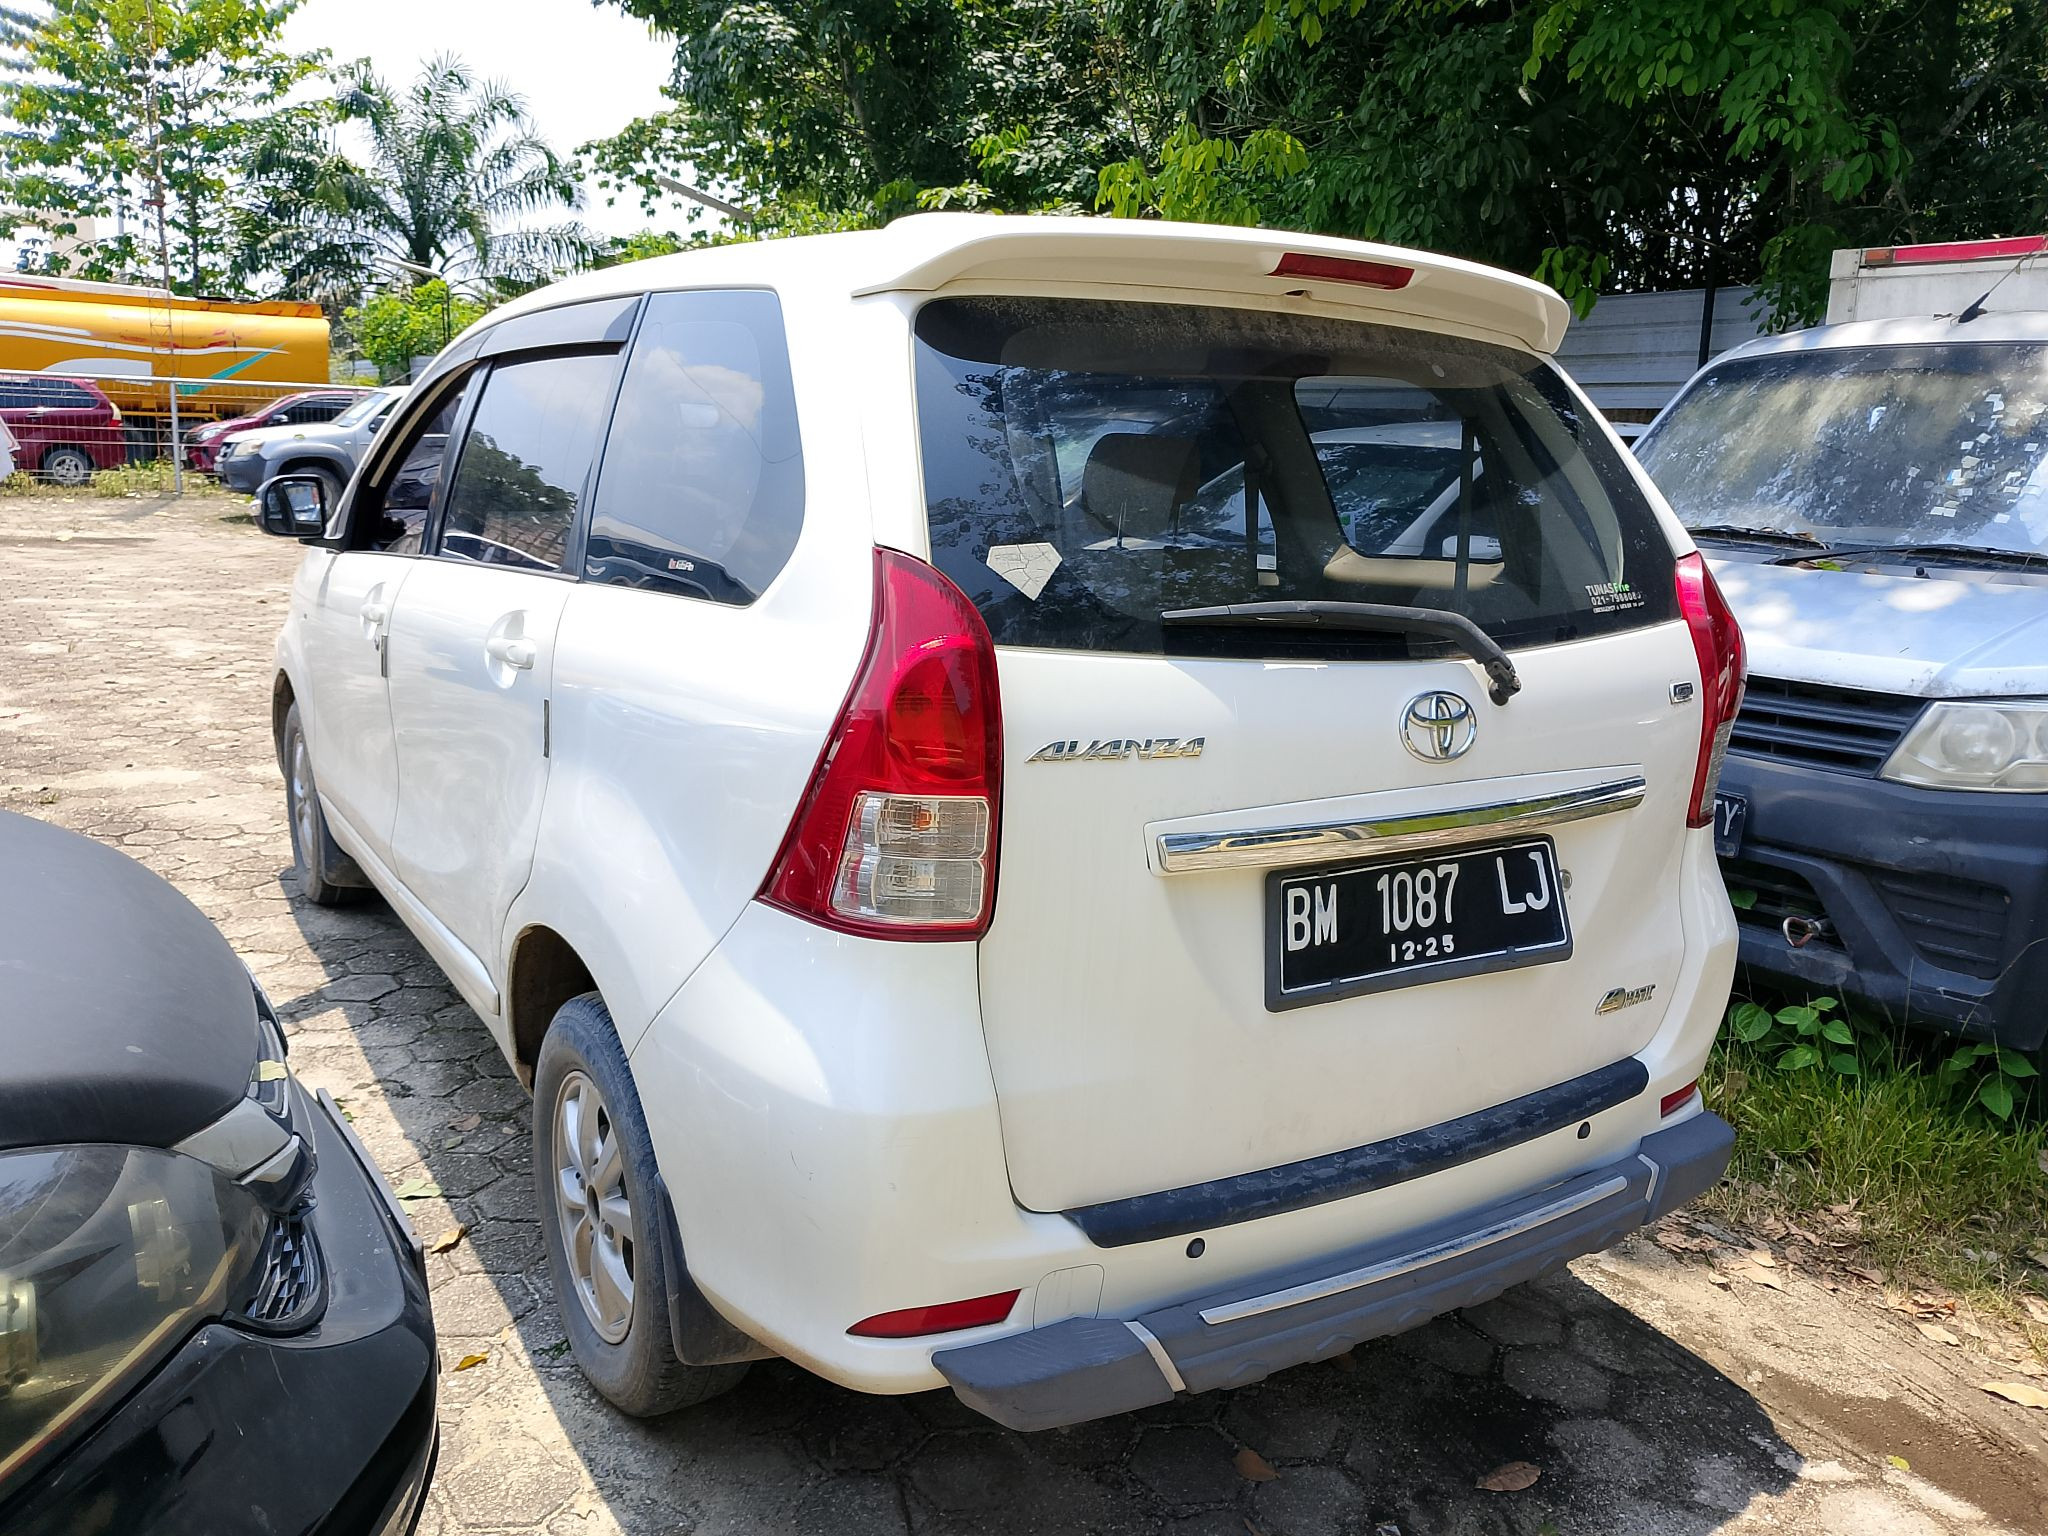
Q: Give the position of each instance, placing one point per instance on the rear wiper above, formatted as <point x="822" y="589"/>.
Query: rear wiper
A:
<point x="1986" y="554"/>
<point x="1755" y="535"/>
<point x="1376" y="618"/>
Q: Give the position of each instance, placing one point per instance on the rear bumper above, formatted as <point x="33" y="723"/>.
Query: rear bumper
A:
<point x="1935" y="901"/>
<point x="1088" y="1367"/>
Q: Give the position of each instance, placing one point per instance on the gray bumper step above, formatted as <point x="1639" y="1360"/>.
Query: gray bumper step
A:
<point x="1090" y="1367"/>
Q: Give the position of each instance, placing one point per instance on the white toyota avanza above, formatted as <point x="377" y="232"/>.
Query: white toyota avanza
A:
<point x="1074" y="809"/>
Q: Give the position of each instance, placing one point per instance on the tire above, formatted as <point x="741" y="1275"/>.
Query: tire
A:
<point x="583" y="1093"/>
<point x="68" y="466"/>
<point x="329" y="877"/>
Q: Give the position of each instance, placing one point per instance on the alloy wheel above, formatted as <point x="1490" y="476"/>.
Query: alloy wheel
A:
<point x="596" y="1219"/>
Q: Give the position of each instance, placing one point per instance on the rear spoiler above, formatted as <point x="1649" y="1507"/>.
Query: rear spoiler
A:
<point x="1383" y="280"/>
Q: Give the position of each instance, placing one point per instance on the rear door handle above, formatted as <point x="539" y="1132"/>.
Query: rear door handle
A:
<point x="511" y="651"/>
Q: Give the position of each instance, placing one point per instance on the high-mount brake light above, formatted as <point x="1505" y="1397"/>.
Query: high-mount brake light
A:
<point x="896" y="837"/>
<point x="947" y="1317"/>
<point x="1717" y="641"/>
<point x="1955" y="250"/>
<point x="1344" y="269"/>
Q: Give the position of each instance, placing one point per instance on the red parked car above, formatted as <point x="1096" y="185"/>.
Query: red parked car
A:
<point x="306" y="408"/>
<point x="64" y="429"/>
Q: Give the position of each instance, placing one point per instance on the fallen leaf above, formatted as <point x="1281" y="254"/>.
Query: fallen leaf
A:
<point x="467" y="1122"/>
<point x="448" y="1239"/>
<point x="1253" y="1467"/>
<point x="450" y="1143"/>
<point x="1758" y="1275"/>
<point x="469" y="1360"/>
<point x="1512" y="1478"/>
<point x="2035" y="1308"/>
<point x="1718" y="1278"/>
<point x="418" y="1189"/>
<point x="1866" y="1274"/>
<point x="2026" y="1394"/>
<point x="1938" y="1334"/>
<point x="269" y="1071"/>
<point x="1758" y="1256"/>
<point x="2029" y="1368"/>
<point x="1900" y="1462"/>
<point x="1253" y="1528"/>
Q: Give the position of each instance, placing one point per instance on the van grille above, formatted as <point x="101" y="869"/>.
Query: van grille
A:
<point x="1958" y="925"/>
<point x="1844" y="729"/>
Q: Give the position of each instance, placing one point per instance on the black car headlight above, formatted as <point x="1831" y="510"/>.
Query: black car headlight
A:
<point x="109" y="1257"/>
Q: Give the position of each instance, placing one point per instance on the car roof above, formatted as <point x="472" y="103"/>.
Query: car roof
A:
<point x="929" y="251"/>
<point x="1991" y="326"/>
<point x="128" y="1017"/>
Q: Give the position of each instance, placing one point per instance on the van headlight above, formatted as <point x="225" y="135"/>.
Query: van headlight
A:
<point x="1964" y="744"/>
<point x="109" y="1257"/>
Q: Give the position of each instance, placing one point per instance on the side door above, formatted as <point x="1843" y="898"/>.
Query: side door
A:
<point x="343" y="605"/>
<point x="473" y="636"/>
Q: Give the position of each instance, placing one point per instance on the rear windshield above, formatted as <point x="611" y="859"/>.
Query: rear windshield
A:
<point x="1090" y="465"/>
<point x="1936" y="444"/>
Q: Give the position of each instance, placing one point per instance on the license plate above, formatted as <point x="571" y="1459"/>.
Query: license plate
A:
<point x="1401" y="922"/>
<point x="1730" y="812"/>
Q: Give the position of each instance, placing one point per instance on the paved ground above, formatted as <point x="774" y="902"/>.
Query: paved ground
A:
<point x="134" y="685"/>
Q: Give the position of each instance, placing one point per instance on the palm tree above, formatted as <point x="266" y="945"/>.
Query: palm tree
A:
<point x="454" y="170"/>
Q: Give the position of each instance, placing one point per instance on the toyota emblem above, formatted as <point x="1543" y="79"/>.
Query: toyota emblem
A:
<point x="1438" y="727"/>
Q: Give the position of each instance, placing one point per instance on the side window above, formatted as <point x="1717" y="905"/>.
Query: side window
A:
<point x="394" y="513"/>
<point x="70" y="397"/>
<point x="523" y="465"/>
<point x="702" y="488"/>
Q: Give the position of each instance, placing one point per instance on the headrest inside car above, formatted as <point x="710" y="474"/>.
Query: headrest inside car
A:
<point x="1134" y="481"/>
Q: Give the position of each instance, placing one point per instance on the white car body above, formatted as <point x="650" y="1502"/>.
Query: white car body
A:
<point x="853" y="1125"/>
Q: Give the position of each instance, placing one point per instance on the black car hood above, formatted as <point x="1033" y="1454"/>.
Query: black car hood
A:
<point x="124" y="1015"/>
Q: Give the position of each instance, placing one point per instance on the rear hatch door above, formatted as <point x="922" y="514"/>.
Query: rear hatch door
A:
<point x="1166" y="1000"/>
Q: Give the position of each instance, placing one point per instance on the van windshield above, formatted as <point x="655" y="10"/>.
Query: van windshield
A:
<point x="1091" y="465"/>
<point x="1944" y="443"/>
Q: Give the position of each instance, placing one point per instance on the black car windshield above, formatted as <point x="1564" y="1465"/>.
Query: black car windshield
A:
<point x="1858" y="446"/>
<point x="1086" y="464"/>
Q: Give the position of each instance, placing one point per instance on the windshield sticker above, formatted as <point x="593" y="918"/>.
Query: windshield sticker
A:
<point x="1027" y="567"/>
<point x="1613" y="596"/>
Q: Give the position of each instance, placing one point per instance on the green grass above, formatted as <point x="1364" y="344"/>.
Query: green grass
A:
<point x="152" y="479"/>
<point x="1944" y="1190"/>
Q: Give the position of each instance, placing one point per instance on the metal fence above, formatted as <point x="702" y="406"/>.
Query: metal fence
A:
<point x="117" y="432"/>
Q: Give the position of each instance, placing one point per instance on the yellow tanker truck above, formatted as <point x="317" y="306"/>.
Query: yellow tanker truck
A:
<point x="223" y="358"/>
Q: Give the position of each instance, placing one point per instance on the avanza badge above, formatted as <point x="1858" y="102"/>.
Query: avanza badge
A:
<point x="1116" y="751"/>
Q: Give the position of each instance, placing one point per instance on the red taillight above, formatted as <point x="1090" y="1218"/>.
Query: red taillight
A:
<point x="897" y="835"/>
<point x="1672" y="1103"/>
<point x="1344" y="269"/>
<point x="1717" y="641"/>
<point x="947" y="1317"/>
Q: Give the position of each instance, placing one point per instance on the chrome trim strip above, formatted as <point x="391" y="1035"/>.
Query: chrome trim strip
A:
<point x="1160" y="1357"/>
<point x="1316" y="842"/>
<point x="1436" y="1253"/>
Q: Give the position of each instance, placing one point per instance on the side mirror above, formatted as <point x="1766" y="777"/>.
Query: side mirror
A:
<point x="293" y="506"/>
<point x="376" y="425"/>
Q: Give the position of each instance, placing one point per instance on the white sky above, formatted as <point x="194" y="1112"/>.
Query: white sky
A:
<point x="585" y="71"/>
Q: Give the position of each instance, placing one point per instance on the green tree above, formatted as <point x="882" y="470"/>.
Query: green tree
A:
<point x="825" y="114"/>
<point x="391" y="329"/>
<point x="454" y="168"/>
<point x="95" y="87"/>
